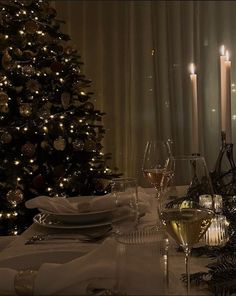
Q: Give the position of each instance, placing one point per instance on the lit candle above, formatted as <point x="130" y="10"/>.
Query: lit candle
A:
<point x="223" y="88"/>
<point x="195" y="142"/>
<point x="228" y="127"/>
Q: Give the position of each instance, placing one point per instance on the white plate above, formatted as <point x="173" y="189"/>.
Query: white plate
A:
<point x="34" y="260"/>
<point x="81" y="218"/>
<point x="49" y="221"/>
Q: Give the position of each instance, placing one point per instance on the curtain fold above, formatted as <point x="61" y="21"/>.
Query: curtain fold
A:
<point x="137" y="54"/>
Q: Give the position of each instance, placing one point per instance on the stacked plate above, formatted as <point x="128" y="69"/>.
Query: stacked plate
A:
<point x="78" y="220"/>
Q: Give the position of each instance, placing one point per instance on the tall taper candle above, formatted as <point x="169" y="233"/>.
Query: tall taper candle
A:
<point x="228" y="125"/>
<point x="195" y="139"/>
<point x="223" y="88"/>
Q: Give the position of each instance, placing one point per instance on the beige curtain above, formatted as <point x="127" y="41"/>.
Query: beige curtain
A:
<point x="137" y="54"/>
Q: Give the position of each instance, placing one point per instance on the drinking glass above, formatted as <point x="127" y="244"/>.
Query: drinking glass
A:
<point x="157" y="168"/>
<point x="185" y="220"/>
<point x="156" y="165"/>
<point x="125" y="195"/>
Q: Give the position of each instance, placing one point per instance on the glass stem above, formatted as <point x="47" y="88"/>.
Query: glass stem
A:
<point x="187" y="255"/>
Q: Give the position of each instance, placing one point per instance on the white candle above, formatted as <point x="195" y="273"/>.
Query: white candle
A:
<point x="195" y="140"/>
<point x="228" y="126"/>
<point x="223" y="88"/>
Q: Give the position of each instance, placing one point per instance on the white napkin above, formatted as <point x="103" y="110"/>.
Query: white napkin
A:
<point x="51" y="204"/>
<point x="71" y="278"/>
<point x="82" y="204"/>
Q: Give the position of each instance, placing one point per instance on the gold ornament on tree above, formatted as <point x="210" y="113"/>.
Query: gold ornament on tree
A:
<point x="6" y="138"/>
<point x="3" y="98"/>
<point x="6" y="60"/>
<point x="59" y="144"/>
<point x="17" y="52"/>
<point x="25" y="109"/>
<point x="31" y="27"/>
<point x="33" y="86"/>
<point x="28" y="149"/>
<point x="4" y="108"/>
<point x="15" y="196"/>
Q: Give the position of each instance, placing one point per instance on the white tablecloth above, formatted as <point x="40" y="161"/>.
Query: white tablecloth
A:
<point x="20" y="256"/>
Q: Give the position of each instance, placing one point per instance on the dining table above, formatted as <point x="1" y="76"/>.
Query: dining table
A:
<point x="101" y="266"/>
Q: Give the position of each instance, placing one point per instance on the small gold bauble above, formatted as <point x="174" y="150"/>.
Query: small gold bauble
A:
<point x="59" y="144"/>
<point x="15" y="196"/>
<point x="25" y="109"/>
<point x="4" y="108"/>
<point x="31" y="27"/>
<point x="17" y="51"/>
<point x="28" y="150"/>
<point x="44" y="145"/>
<point x="33" y="86"/>
<point x="6" y="60"/>
<point x="3" y="98"/>
<point x="6" y="138"/>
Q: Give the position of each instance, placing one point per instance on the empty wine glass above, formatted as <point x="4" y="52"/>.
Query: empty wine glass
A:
<point x="185" y="219"/>
<point x="125" y="195"/>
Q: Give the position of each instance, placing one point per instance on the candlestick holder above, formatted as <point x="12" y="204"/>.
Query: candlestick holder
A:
<point x="224" y="181"/>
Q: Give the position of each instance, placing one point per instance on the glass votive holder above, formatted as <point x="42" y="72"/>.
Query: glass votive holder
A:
<point x="205" y="201"/>
<point x="211" y="202"/>
<point x="140" y="263"/>
<point x="218" y="203"/>
<point x="217" y="234"/>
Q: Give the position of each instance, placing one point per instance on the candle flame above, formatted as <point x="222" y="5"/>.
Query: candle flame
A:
<point x="192" y="68"/>
<point x="222" y="50"/>
<point x="227" y="55"/>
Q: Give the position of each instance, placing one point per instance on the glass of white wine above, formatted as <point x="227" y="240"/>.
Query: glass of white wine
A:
<point x="185" y="220"/>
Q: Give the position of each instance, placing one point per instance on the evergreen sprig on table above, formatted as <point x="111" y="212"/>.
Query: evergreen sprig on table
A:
<point x="221" y="275"/>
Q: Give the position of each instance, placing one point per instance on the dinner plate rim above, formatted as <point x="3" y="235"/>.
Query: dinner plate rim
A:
<point x="77" y="214"/>
<point x="68" y="226"/>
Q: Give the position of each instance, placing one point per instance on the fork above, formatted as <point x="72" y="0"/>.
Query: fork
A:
<point x="38" y="238"/>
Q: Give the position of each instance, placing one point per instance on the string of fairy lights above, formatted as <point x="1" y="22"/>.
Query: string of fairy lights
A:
<point x="44" y="106"/>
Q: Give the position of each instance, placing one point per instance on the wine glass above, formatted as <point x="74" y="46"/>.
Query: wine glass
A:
<point x="156" y="165"/>
<point x="185" y="220"/>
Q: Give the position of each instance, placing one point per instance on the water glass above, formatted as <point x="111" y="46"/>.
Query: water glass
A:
<point x="140" y="263"/>
<point x="125" y="195"/>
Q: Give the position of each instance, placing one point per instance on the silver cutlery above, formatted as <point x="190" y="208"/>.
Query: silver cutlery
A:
<point x="55" y="238"/>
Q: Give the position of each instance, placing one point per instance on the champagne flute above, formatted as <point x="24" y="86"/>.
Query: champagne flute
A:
<point x="186" y="221"/>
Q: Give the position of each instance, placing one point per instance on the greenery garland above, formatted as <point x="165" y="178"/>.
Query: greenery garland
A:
<point x="220" y="279"/>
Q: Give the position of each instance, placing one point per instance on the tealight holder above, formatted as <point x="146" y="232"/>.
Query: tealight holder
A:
<point x="217" y="234"/>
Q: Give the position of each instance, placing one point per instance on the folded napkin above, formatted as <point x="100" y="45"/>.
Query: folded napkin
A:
<point x="85" y="204"/>
<point x="71" y="278"/>
<point x="95" y="270"/>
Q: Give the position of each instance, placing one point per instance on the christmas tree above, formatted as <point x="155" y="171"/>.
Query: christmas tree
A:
<point x="50" y="130"/>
